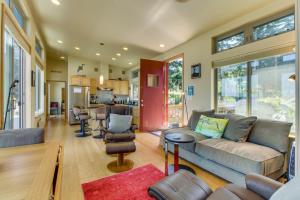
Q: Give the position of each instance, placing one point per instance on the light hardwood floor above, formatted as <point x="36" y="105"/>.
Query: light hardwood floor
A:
<point x="85" y="158"/>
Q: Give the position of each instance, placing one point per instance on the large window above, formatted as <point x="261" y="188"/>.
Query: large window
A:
<point x="232" y="89"/>
<point x="39" y="91"/>
<point x="271" y="26"/>
<point x="260" y="87"/>
<point x="272" y="94"/>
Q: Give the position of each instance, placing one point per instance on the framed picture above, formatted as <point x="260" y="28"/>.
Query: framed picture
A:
<point x="196" y="71"/>
<point x="32" y="78"/>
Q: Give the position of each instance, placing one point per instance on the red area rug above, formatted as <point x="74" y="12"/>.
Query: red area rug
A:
<point x="130" y="185"/>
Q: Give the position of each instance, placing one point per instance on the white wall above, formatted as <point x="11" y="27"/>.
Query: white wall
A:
<point x="117" y="73"/>
<point x="89" y="68"/>
<point x="199" y="50"/>
<point x="57" y="70"/>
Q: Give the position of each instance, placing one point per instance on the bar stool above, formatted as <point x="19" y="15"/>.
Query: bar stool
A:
<point x="83" y="118"/>
<point x="101" y="115"/>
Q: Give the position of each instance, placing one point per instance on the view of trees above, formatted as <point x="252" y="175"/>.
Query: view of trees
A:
<point x="175" y="81"/>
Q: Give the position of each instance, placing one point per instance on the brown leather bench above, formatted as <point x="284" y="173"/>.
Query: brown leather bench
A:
<point x="120" y="148"/>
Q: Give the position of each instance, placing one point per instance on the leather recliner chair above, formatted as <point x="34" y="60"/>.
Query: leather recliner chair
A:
<point x="127" y="136"/>
<point x="187" y="186"/>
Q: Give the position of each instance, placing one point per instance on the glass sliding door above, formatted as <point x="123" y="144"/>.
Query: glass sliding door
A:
<point x="232" y="89"/>
<point x="14" y="69"/>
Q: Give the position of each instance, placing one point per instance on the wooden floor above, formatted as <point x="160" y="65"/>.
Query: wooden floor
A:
<point x="85" y="158"/>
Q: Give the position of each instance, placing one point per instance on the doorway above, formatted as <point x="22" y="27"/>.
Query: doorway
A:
<point x="175" y="91"/>
<point x="15" y="63"/>
<point x="56" y="99"/>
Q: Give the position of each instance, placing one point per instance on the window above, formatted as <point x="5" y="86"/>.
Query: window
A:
<point x="232" y="89"/>
<point x="275" y="27"/>
<point x="271" y="26"/>
<point x="273" y="97"/>
<point x="18" y="13"/>
<point x="38" y="47"/>
<point x="14" y="69"/>
<point x="260" y="87"/>
<point x="39" y="91"/>
<point x="135" y="73"/>
<point x="230" y="42"/>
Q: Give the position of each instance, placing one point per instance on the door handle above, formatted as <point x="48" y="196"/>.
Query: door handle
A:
<point x="142" y="105"/>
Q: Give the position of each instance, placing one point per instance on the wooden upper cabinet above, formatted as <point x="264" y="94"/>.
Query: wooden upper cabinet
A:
<point x="75" y="80"/>
<point x="118" y="87"/>
<point x="93" y="84"/>
<point x="85" y="81"/>
<point x="80" y="80"/>
<point x="109" y="84"/>
<point x="124" y="88"/>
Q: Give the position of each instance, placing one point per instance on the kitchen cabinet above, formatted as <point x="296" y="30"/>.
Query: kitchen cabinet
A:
<point x="109" y="84"/>
<point x="124" y="88"/>
<point x="118" y="87"/>
<point x="93" y="86"/>
<point x="80" y="80"/>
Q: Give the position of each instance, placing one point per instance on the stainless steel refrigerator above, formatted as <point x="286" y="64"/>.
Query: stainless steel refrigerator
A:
<point x="79" y="96"/>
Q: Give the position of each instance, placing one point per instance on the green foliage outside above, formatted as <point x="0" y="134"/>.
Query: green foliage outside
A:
<point x="175" y="82"/>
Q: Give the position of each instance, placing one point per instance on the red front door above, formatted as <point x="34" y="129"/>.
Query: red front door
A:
<point x="153" y="107"/>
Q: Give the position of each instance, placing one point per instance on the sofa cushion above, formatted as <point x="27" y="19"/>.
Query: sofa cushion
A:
<point x="211" y="127"/>
<point x="193" y="121"/>
<point x="238" y="127"/>
<point x="119" y="123"/>
<point x="185" y="130"/>
<point x="243" y="157"/>
<point x="274" y="134"/>
<point x="20" y="137"/>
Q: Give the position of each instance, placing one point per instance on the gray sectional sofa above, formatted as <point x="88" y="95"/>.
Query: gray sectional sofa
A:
<point x="248" y="145"/>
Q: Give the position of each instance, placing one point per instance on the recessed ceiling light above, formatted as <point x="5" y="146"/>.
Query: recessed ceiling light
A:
<point x="98" y="54"/>
<point x="125" y="48"/>
<point x="60" y="42"/>
<point x="56" y="2"/>
<point x="77" y="48"/>
<point x="118" y="54"/>
<point x="62" y="57"/>
<point x="162" y="45"/>
<point x="130" y="63"/>
<point x="113" y="59"/>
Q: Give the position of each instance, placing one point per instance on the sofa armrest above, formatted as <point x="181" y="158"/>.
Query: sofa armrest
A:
<point x="261" y="185"/>
<point x="20" y="137"/>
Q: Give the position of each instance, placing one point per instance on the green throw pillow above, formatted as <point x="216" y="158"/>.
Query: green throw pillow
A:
<point x="211" y="127"/>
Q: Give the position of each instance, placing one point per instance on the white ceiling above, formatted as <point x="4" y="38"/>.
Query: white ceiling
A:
<point x="141" y="25"/>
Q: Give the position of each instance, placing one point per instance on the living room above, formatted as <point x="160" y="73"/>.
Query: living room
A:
<point x="176" y="99"/>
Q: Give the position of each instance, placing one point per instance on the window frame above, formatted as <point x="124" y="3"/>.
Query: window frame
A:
<point x="20" y="8"/>
<point x="38" y="43"/>
<point x="40" y="97"/>
<point x="249" y="82"/>
<point x="249" y="28"/>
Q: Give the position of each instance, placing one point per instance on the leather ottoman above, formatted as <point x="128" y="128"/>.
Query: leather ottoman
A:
<point x="181" y="185"/>
<point x="120" y="148"/>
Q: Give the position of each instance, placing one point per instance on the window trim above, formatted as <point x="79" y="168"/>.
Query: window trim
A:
<point x="248" y="29"/>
